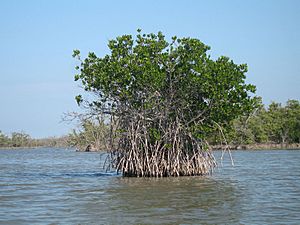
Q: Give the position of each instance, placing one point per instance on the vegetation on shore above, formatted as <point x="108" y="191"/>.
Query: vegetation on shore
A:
<point x="275" y="126"/>
<point x="92" y="135"/>
<point x="23" y="140"/>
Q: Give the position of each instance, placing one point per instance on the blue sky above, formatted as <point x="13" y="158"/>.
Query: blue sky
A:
<point x="37" y="39"/>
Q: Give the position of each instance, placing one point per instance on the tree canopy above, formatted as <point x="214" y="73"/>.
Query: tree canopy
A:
<point x="273" y="124"/>
<point x="164" y="99"/>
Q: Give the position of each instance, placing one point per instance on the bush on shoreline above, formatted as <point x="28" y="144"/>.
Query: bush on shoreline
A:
<point x="23" y="140"/>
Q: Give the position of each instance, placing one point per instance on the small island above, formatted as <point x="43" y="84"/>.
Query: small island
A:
<point x="167" y="103"/>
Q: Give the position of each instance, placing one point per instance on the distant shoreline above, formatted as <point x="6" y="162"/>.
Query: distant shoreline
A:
<point x="269" y="146"/>
<point x="30" y="147"/>
<point x="265" y="146"/>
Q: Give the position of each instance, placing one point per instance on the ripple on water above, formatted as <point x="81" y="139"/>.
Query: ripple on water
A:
<point x="56" y="186"/>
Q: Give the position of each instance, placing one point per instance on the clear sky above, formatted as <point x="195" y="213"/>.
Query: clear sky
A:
<point x="37" y="39"/>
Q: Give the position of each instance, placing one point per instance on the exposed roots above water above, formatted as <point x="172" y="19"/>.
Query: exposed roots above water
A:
<point x="144" y="153"/>
<point x="163" y="164"/>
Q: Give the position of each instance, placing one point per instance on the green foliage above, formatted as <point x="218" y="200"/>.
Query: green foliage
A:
<point x="4" y="140"/>
<point x="92" y="132"/>
<point x="180" y="75"/>
<point x="23" y="140"/>
<point x="275" y="124"/>
<point x="19" y="139"/>
<point x="293" y="114"/>
<point x="283" y="122"/>
<point x="168" y="97"/>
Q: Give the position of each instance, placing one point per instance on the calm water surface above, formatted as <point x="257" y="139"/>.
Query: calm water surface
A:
<point x="56" y="186"/>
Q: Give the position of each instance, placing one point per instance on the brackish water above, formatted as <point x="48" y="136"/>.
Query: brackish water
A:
<point x="56" y="186"/>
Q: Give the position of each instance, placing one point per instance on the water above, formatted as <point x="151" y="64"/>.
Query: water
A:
<point x="56" y="186"/>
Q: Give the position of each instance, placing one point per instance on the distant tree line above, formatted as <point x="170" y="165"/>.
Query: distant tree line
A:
<point x="275" y="124"/>
<point x="23" y="140"/>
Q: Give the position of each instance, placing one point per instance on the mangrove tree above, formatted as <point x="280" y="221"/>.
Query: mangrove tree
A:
<point x="162" y="100"/>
